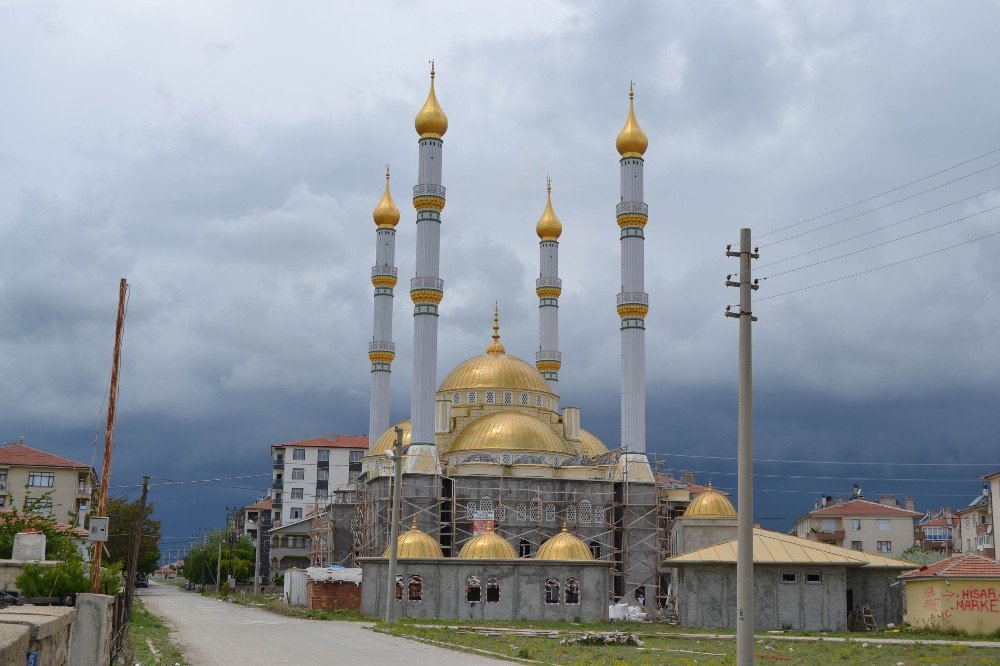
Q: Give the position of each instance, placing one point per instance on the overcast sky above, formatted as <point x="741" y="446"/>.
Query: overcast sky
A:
<point x="225" y="157"/>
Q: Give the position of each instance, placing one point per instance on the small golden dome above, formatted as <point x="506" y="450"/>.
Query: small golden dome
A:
<point x="416" y="544"/>
<point x="710" y="504"/>
<point x="510" y="431"/>
<point x="431" y="121"/>
<point x="564" y="546"/>
<point x="632" y="141"/>
<point x="488" y="546"/>
<point x="387" y="440"/>
<point x="549" y="227"/>
<point x="386" y="213"/>
<point x="590" y="446"/>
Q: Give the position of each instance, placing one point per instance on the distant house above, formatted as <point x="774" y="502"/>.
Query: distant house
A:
<point x="961" y="592"/>
<point x="48" y="484"/>
<point x="976" y="526"/>
<point x="939" y="530"/>
<point x="291" y="545"/>
<point x="882" y="527"/>
<point x="994" y="481"/>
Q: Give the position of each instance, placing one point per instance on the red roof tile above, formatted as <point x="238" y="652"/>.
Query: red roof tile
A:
<point x="940" y="522"/>
<point x="330" y="441"/>
<point x="19" y="454"/>
<point x="967" y="565"/>
<point x="860" y="507"/>
<point x="263" y="504"/>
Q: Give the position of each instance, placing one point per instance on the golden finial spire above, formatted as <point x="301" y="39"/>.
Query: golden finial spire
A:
<point x="386" y="213"/>
<point x="564" y="527"/>
<point x="549" y="228"/>
<point x="495" y="346"/>
<point x="632" y="141"/>
<point x="414" y="526"/>
<point x="431" y="121"/>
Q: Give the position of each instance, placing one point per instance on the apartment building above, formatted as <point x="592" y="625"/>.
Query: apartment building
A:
<point x="994" y="481"/>
<point x="308" y="470"/>
<point x="45" y="483"/>
<point x="881" y="527"/>
<point x="976" y="526"/>
<point x="940" y="530"/>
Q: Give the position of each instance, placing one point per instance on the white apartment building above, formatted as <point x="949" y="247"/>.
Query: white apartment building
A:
<point x="306" y="471"/>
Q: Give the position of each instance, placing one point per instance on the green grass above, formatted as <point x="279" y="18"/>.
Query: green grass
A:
<point x="149" y="640"/>
<point x="274" y="604"/>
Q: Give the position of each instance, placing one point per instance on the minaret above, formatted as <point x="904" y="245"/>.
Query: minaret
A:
<point x="548" y="286"/>
<point x="381" y="349"/>
<point x="427" y="288"/>
<point x="633" y="301"/>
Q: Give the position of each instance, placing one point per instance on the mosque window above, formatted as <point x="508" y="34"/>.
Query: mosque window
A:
<point x="456" y="399"/>
<point x="536" y="511"/>
<point x="551" y="591"/>
<point x="524" y="548"/>
<point x="506" y="459"/>
<point x="521" y="511"/>
<point x="486" y="504"/>
<point x="493" y="591"/>
<point x="473" y="589"/>
<point x="399" y="587"/>
<point x="550" y="513"/>
<point x="572" y="591"/>
<point x="571" y="514"/>
<point x="595" y="549"/>
<point x="470" y="509"/>
<point x="524" y="398"/>
<point x="416" y="588"/>
<point x="538" y="401"/>
<point x="585" y="511"/>
<point x="491" y="397"/>
<point x="508" y="398"/>
<point x="472" y="397"/>
<point x="501" y="513"/>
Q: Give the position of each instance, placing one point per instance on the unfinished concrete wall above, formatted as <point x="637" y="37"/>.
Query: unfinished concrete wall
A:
<point x="521" y="589"/>
<point x="48" y="632"/>
<point x="880" y="589"/>
<point x="690" y="534"/>
<point x="90" y="638"/>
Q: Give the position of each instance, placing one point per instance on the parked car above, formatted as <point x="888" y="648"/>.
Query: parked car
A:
<point x="141" y="580"/>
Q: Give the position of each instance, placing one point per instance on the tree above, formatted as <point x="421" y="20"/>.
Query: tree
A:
<point x="237" y="559"/>
<point x="121" y="520"/>
<point x="920" y="555"/>
<point x="58" y="542"/>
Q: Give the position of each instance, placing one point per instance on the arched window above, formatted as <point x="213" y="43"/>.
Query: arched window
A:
<point x="486" y="504"/>
<point x="536" y="511"/>
<point x="521" y="511"/>
<point x="473" y="589"/>
<point x="550" y="513"/>
<point x="571" y="514"/>
<point x="493" y="591"/>
<point x="551" y="591"/>
<point x="470" y="509"/>
<point x="524" y="548"/>
<point x="399" y="587"/>
<point x="501" y="513"/>
<point x="585" y="511"/>
<point x="416" y="588"/>
<point x="572" y="591"/>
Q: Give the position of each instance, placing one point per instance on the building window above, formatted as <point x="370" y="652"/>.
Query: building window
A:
<point x="296" y="493"/>
<point x="828" y="524"/>
<point x="595" y="549"/>
<point x="789" y="577"/>
<point x="857" y="545"/>
<point x="3" y="501"/>
<point x="550" y="513"/>
<point x="41" y="479"/>
<point x="295" y="513"/>
<point x="551" y="591"/>
<point x="470" y="510"/>
<point x="506" y="459"/>
<point x="321" y="494"/>
<point x="416" y="588"/>
<point x="491" y="397"/>
<point x="599" y="515"/>
<point x="571" y="514"/>
<point x="298" y="474"/>
<point x="501" y="513"/>
<point x="323" y="455"/>
<point x="472" y="397"/>
<point x="508" y="398"/>
<point x="322" y="475"/>
<point x="536" y="511"/>
<point x="298" y="454"/>
<point x="524" y="398"/>
<point x="41" y="506"/>
<point x="572" y="591"/>
<point x="884" y="546"/>
<point x="585" y="511"/>
<point x="355" y="456"/>
<point x="399" y="587"/>
<point x="493" y="591"/>
<point x="456" y="399"/>
<point x="353" y="476"/>
<point x="473" y="589"/>
<point x="814" y="578"/>
<point x="521" y="511"/>
<point x="883" y="525"/>
<point x="538" y="401"/>
<point x="524" y="548"/>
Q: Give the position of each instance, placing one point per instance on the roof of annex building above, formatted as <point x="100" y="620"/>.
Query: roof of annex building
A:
<point x="19" y="454"/>
<point x="328" y="442"/>
<point x="963" y="565"/>
<point x="862" y="507"/>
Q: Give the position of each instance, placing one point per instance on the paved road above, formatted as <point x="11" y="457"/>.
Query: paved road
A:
<point x="213" y="632"/>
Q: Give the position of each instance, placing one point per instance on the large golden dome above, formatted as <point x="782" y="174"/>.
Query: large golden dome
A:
<point x="710" y="504"/>
<point x="631" y="141"/>
<point x="564" y="546"/>
<point x="590" y="446"/>
<point x="431" y="121"/>
<point x="416" y="544"/>
<point x="510" y="431"/>
<point x="488" y="546"/>
<point x="387" y="440"/>
<point x="549" y="227"/>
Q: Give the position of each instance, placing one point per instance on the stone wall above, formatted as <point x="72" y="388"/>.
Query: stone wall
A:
<point x="47" y="629"/>
<point x="880" y="590"/>
<point x="328" y="595"/>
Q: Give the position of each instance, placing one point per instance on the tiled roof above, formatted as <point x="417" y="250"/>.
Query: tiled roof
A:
<point x="991" y="475"/>
<point x="263" y="504"/>
<point x="940" y="521"/>
<point x="860" y="507"/>
<point x="330" y="441"/>
<point x="967" y="565"/>
<point x="19" y="454"/>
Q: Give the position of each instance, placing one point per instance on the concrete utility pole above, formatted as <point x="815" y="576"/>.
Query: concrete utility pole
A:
<point x="744" y="525"/>
<point x="256" y="556"/>
<point x="218" y="567"/>
<point x="133" y="560"/>
<point x="396" y="496"/>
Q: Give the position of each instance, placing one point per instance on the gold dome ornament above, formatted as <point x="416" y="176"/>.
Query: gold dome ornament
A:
<point x="488" y="546"/>
<point x="431" y="123"/>
<point x="416" y="544"/>
<point x="710" y="504"/>
<point x="386" y="214"/>
<point x="632" y="141"/>
<point x="564" y="546"/>
<point x="549" y="228"/>
<point x="495" y="347"/>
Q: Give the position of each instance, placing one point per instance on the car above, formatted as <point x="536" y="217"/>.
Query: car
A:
<point x="141" y="580"/>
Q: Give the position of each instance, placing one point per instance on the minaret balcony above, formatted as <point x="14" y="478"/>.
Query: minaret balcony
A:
<point x="384" y="270"/>
<point x="548" y="356"/>
<point x="382" y="345"/>
<point x="627" y="207"/>
<point x="428" y="190"/>
<point x="633" y="298"/>
<point x="548" y="282"/>
<point x="437" y="284"/>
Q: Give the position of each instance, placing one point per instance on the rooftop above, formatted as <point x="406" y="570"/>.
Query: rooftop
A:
<point x="262" y="504"/>
<point x="19" y="454"/>
<point x="329" y="442"/>
<point x="967" y="565"/>
<point x="862" y="507"/>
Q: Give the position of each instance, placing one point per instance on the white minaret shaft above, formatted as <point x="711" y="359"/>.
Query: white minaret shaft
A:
<point x="381" y="349"/>
<point x="427" y="288"/>
<point x="633" y="301"/>
<point x="548" y="360"/>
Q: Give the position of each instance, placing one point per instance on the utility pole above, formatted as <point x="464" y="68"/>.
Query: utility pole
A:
<point x="744" y="524"/>
<point x="396" y="495"/>
<point x="102" y="502"/>
<point x="256" y="555"/>
<point x="218" y="567"/>
<point x="133" y="560"/>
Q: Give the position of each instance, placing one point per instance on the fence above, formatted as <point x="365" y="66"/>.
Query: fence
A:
<point x="119" y="626"/>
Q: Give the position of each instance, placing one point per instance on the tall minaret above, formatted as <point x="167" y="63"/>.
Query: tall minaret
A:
<point x="427" y="289"/>
<point x="381" y="349"/>
<point x="548" y="360"/>
<point x="633" y="301"/>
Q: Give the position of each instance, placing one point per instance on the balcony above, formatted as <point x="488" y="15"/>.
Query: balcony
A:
<point x="83" y="489"/>
<point x="829" y="536"/>
<point x="277" y="484"/>
<point x="3" y="486"/>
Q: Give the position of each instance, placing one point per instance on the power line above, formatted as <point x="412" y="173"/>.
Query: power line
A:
<point x="835" y="478"/>
<point x="835" y="462"/>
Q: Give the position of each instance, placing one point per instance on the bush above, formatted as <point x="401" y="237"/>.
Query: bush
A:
<point x="67" y="577"/>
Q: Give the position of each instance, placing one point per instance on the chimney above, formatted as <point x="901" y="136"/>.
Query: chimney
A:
<point x="840" y="501"/>
<point x="857" y="492"/>
<point x="687" y="477"/>
<point x="908" y="503"/>
<point x="888" y="500"/>
<point x="947" y="514"/>
<point x="819" y="503"/>
<point x="986" y="490"/>
<point x="571" y="423"/>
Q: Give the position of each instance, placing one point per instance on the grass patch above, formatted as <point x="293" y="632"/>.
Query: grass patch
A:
<point x="274" y="604"/>
<point x="149" y="640"/>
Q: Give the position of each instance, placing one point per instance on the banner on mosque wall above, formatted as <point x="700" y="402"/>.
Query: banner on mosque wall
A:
<point x="482" y="521"/>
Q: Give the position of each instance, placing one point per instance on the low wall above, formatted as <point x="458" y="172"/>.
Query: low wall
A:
<point x="11" y="569"/>
<point x="972" y="605"/>
<point x="44" y="630"/>
<point x="328" y="595"/>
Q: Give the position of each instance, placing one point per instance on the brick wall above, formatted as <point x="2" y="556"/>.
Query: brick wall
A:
<point x="330" y="595"/>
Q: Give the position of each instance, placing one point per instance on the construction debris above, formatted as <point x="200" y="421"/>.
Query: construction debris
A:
<point x="604" y="638"/>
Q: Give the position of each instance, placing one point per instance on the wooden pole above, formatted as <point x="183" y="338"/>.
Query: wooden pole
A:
<point x="102" y="502"/>
<point x="133" y="560"/>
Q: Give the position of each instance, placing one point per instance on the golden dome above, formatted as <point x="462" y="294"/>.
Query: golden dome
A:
<point x="387" y="440"/>
<point x="549" y="227"/>
<point x="632" y="141"/>
<point x="495" y="370"/>
<point x="488" y="546"/>
<point x="710" y="504"/>
<point x="431" y="121"/>
<point x="386" y="213"/>
<point x="416" y="544"/>
<point x="590" y="446"/>
<point x="510" y="431"/>
<point x="564" y="546"/>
